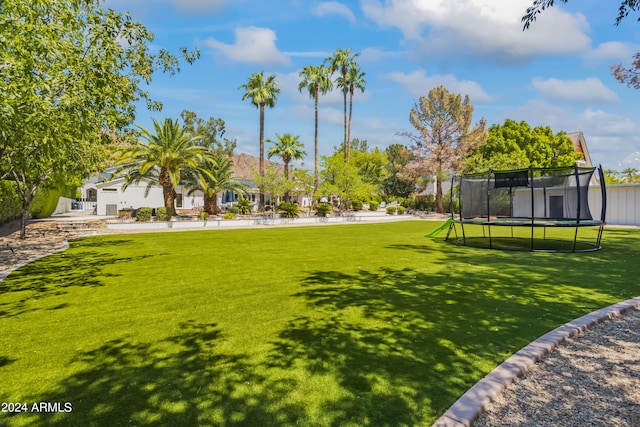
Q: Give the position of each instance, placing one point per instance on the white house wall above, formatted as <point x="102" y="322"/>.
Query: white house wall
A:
<point x="134" y="197"/>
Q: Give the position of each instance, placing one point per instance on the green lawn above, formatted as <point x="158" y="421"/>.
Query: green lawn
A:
<point x="369" y="324"/>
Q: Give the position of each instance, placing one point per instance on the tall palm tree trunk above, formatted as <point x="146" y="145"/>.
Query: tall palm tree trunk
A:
<point x="211" y="204"/>
<point x="261" y="202"/>
<point x="349" y="126"/>
<point x="286" y="177"/>
<point x="315" y="159"/>
<point x="346" y="143"/>
<point x="168" y="194"/>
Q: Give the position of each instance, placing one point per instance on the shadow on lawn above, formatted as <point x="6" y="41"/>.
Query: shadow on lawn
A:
<point x="382" y="346"/>
<point x="52" y="275"/>
<point x="182" y="380"/>
<point x="405" y="344"/>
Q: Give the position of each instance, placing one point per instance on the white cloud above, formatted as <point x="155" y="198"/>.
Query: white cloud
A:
<point x="253" y="45"/>
<point x="587" y="91"/>
<point x="419" y="84"/>
<point x="334" y="8"/>
<point x="480" y="28"/>
<point x="612" y="51"/>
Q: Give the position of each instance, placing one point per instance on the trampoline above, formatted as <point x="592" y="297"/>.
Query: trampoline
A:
<point x="487" y="207"/>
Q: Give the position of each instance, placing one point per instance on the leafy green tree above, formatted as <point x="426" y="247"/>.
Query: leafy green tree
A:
<point x="208" y="133"/>
<point x="342" y="61"/>
<point x="316" y="80"/>
<point x="630" y="76"/>
<point x="303" y="183"/>
<point x="163" y="159"/>
<point x="287" y="147"/>
<point x="342" y="179"/>
<point x="399" y="181"/>
<point x="612" y="177"/>
<point x="445" y="136"/>
<point x="262" y="92"/>
<point x="272" y="183"/>
<point x="515" y="145"/>
<point x="70" y="75"/>
<point x="371" y="165"/>
<point x="218" y="178"/>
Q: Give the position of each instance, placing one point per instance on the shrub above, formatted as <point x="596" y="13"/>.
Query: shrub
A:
<point x="143" y="214"/>
<point x="391" y="210"/>
<point x="229" y="215"/>
<point x="244" y="206"/>
<point x="289" y="210"/>
<point x="161" y="214"/>
<point x="10" y="203"/>
<point x="323" y="209"/>
<point x="44" y="203"/>
<point x="373" y="206"/>
<point x="234" y="210"/>
<point x="203" y="215"/>
<point x="401" y="210"/>
<point x="356" y="206"/>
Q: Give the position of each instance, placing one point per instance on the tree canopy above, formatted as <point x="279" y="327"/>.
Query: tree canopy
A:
<point x="445" y="136"/>
<point x="70" y="74"/>
<point x="515" y="145"/>
<point x="208" y="133"/>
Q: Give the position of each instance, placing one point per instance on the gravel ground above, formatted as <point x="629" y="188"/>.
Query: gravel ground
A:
<point x="592" y="379"/>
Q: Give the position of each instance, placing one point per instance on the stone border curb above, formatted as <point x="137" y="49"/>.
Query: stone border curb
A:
<point x="471" y="404"/>
<point x="5" y="274"/>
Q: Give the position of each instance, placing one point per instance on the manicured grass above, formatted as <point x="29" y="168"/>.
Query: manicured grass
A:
<point x="369" y="324"/>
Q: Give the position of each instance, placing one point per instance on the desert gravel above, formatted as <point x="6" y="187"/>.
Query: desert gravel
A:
<point x="592" y="379"/>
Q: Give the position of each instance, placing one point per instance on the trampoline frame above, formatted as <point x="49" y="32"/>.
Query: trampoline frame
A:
<point x="488" y="221"/>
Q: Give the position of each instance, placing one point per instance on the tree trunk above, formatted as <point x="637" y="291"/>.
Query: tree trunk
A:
<point x="261" y="202"/>
<point x="286" y="177"/>
<point x="24" y="217"/>
<point x="211" y="204"/>
<point x="348" y="147"/>
<point x="168" y="194"/>
<point x="315" y="160"/>
<point x="440" y="204"/>
<point x="344" y="92"/>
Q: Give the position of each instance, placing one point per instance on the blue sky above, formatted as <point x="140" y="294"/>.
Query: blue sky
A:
<point x="555" y="74"/>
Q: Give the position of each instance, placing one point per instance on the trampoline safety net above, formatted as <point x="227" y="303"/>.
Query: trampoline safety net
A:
<point x="551" y="194"/>
<point x="539" y="198"/>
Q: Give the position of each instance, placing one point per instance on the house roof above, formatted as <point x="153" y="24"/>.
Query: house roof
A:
<point x="581" y="146"/>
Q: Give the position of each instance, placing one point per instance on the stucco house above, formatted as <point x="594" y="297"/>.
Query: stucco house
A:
<point x="104" y="195"/>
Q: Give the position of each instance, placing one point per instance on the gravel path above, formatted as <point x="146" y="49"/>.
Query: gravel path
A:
<point x="592" y="379"/>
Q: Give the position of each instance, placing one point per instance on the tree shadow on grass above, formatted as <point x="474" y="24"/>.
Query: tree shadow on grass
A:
<point x="405" y="343"/>
<point x="183" y="380"/>
<point x="52" y="275"/>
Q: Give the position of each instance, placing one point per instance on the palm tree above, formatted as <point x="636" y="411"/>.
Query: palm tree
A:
<point x="355" y="80"/>
<point x="316" y="80"/>
<point x="630" y="175"/>
<point x="287" y="147"/>
<point x="218" y="179"/>
<point x="341" y="61"/>
<point x="165" y="157"/>
<point x="262" y="93"/>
